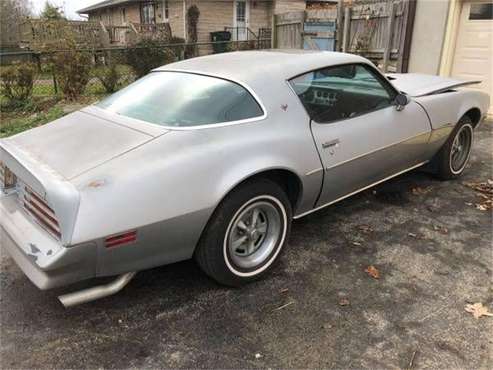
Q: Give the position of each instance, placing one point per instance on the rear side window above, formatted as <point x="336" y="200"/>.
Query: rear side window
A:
<point x="183" y="100"/>
<point x="342" y="92"/>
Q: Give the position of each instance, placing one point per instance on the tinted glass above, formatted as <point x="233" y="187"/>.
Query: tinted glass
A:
<point x="183" y="99"/>
<point x="481" y="11"/>
<point x="342" y="92"/>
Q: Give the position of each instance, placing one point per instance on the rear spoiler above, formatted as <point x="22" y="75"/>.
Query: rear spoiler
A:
<point x="416" y="84"/>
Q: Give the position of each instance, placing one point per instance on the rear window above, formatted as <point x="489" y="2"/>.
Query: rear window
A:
<point x="183" y="100"/>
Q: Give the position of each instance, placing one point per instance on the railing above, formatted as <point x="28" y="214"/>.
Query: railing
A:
<point x="117" y="34"/>
<point x="241" y="34"/>
<point x="35" y="32"/>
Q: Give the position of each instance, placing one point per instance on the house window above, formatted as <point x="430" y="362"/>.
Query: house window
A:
<point x="123" y="14"/>
<point x="148" y="13"/>
<point x="166" y="10"/>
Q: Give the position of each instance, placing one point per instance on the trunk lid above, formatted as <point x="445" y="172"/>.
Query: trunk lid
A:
<point x="417" y="84"/>
<point x="80" y="141"/>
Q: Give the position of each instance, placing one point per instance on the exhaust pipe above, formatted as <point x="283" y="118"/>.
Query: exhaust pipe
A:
<point x="97" y="292"/>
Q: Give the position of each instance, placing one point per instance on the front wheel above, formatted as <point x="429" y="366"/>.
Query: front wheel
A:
<point x="246" y="233"/>
<point x="452" y="159"/>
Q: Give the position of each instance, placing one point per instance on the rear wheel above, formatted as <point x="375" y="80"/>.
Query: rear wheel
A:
<point x="246" y="233"/>
<point x="452" y="159"/>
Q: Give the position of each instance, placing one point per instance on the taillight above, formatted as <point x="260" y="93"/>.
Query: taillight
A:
<point x="120" y="239"/>
<point x="41" y="212"/>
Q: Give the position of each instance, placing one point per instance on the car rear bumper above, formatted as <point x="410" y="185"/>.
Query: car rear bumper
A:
<point x="43" y="259"/>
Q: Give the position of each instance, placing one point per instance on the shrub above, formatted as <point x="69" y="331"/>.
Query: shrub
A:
<point x="112" y="77"/>
<point x="179" y="49"/>
<point x="17" y="81"/>
<point x="72" y="71"/>
<point x="147" y="55"/>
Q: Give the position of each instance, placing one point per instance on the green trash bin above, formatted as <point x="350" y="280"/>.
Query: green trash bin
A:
<point x="220" y="36"/>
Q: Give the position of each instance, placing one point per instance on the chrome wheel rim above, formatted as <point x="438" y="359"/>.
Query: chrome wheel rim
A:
<point x="254" y="234"/>
<point x="461" y="148"/>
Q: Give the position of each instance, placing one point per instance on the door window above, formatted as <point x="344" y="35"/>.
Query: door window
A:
<point x="240" y="11"/>
<point x="342" y="92"/>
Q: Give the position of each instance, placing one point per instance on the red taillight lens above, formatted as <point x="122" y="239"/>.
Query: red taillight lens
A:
<point x="40" y="210"/>
<point x="120" y="239"/>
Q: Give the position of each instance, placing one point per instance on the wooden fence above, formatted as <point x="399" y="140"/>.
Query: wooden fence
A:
<point x="378" y="31"/>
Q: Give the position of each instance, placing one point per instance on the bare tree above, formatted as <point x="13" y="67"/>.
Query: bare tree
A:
<point x="12" y="13"/>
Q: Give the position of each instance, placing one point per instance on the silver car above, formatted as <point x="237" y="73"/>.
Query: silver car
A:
<point x="213" y="157"/>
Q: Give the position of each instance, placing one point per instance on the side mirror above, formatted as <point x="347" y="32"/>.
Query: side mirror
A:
<point x="401" y="100"/>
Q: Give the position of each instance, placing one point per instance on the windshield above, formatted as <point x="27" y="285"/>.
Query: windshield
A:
<point x="183" y="100"/>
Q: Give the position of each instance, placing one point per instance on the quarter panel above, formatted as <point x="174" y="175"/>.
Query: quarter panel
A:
<point x="179" y="178"/>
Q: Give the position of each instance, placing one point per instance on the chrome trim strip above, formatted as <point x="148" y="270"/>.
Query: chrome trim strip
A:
<point x="378" y="149"/>
<point x="314" y="171"/>
<point x="359" y="190"/>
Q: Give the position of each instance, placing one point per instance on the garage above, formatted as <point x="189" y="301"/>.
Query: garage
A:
<point x="473" y="54"/>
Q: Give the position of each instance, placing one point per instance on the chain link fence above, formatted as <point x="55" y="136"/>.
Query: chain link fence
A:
<point x="103" y="71"/>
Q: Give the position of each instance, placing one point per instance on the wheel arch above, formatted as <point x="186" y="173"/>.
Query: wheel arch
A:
<point x="289" y="181"/>
<point x="474" y="114"/>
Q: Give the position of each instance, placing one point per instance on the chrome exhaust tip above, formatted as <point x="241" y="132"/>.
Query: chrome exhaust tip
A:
<point x="97" y="292"/>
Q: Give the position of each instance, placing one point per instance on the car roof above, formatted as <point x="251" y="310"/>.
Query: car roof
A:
<point x="261" y="66"/>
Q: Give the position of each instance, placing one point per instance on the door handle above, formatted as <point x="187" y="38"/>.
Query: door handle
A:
<point x="329" y="144"/>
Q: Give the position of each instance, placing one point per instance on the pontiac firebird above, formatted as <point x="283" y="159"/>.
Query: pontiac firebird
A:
<point x="213" y="157"/>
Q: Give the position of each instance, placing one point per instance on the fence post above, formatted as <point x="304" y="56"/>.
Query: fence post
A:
<point x="347" y="29"/>
<point x="388" y="42"/>
<point x="339" y="39"/>
<point x="273" y="36"/>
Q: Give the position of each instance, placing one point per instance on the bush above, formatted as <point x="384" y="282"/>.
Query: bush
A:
<point x="17" y="81"/>
<point x="112" y="77"/>
<point x="179" y="50"/>
<point x="72" y="71"/>
<point x="147" y="55"/>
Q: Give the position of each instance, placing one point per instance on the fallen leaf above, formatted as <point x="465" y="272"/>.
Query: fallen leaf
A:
<point x="478" y="310"/>
<point x="481" y="207"/>
<point x="373" y="272"/>
<point x="440" y="229"/>
<point x="344" y="302"/>
<point x="365" y="228"/>
<point x="419" y="190"/>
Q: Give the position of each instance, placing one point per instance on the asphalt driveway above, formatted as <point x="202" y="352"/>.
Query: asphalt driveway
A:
<point x="428" y="240"/>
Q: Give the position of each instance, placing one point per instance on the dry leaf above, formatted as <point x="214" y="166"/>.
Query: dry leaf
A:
<point x="419" y="190"/>
<point x="478" y="310"/>
<point x="373" y="272"/>
<point x="344" y="302"/>
<point x="365" y="228"/>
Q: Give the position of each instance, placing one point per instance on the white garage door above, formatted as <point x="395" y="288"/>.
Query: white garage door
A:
<point x="473" y="57"/>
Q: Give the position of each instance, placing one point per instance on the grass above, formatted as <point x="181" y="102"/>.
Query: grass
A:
<point x="36" y="112"/>
<point x="14" y="125"/>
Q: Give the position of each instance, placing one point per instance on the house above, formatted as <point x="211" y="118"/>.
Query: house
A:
<point x="454" y="38"/>
<point x="245" y="19"/>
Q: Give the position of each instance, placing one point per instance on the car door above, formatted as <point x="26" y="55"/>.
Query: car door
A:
<point x="361" y="136"/>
